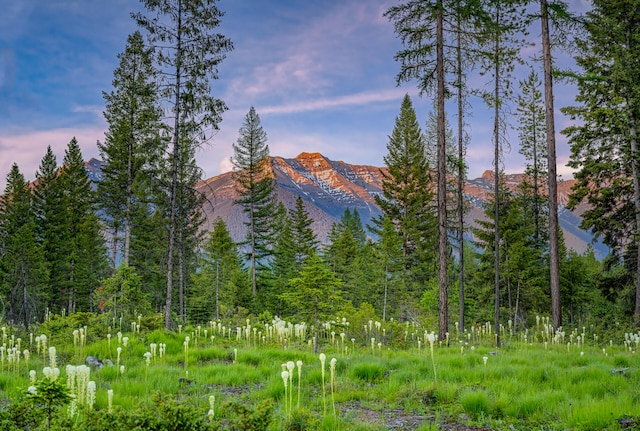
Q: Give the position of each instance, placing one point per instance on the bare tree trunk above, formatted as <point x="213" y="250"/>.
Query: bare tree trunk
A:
<point x="443" y="317"/>
<point x="174" y="174"/>
<point x="554" y="263"/>
<point x="114" y="246"/>
<point x="461" y="174"/>
<point x="635" y="170"/>
<point x="217" y="289"/>
<point x="254" y="281"/>
<point x="496" y="184"/>
<point x="127" y="220"/>
<point x="181" y="295"/>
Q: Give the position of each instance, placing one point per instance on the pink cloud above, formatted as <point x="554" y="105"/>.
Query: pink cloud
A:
<point x="27" y="148"/>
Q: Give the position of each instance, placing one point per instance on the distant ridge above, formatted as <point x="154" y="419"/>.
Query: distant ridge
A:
<point x="329" y="187"/>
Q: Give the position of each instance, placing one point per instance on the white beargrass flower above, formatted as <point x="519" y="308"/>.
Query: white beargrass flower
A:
<point x="147" y="358"/>
<point x="52" y="357"/>
<point x="110" y="400"/>
<point x="32" y="376"/>
<point x="121" y="370"/>
<point x="212" y="403"/>
<point x="323" y="359"/>
<point x="299" y="365"/>
<point x="91" y="394"/>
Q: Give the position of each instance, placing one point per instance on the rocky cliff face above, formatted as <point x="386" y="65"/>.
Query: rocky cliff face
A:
<point x="329" y="187"/>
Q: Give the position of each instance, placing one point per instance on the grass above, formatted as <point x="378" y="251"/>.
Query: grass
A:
<point x="523" y="385"/>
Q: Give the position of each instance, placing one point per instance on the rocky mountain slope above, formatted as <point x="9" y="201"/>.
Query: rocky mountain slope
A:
<point x="329" y="187"/>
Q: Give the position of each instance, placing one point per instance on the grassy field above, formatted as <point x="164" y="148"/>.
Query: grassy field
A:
<point x="386" y="376"/>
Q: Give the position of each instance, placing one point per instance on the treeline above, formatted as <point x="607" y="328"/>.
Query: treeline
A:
<point x="133" y="244"/>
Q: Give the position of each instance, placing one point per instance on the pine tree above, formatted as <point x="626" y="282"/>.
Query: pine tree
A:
<point x="343" y="252"/>
<point x="316" y="293"/>
<point x="23" y="273"/>
<point x="221" y="281"/>
<point x="408" y="200"/>
<point x="604" y="142"/>
<point x="532" y="134"/>
<point x="132" y="140"/>
<point x="82" y="260"/>
<point x="503" y="24"/>
<point x="305" y="241"/>
<point x="188" y="54"/>
<point x="48" y="205"/>
<point x="254" y="181"/>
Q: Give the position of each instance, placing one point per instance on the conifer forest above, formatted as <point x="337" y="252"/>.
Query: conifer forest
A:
<point x="132" y="247"/>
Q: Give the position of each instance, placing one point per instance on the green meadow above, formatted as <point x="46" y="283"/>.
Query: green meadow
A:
<point x="375" y="376"/>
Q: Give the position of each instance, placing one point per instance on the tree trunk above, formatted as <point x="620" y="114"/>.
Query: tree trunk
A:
<point x="635" y="170"/>
<point x="461" y="174"/>
<point x="496" y="184"/>
<point x="554" y="263"/>
<point x="442" y="179"/>
<point x="174" y="174"/>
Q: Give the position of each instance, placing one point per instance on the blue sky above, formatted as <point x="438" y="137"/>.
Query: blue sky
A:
<point x="320" y="74"/>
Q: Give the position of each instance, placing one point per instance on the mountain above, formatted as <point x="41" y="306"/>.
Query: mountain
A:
<point x="329" y="187"/>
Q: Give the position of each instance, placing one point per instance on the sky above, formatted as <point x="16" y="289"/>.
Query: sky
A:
<point x="320" y="74"/>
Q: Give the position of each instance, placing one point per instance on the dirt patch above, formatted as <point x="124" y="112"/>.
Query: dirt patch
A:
<point x="398" y="419"/>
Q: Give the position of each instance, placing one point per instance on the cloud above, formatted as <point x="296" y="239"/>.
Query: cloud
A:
<point x="364" y="98"/>
<point x="27" y="148"/>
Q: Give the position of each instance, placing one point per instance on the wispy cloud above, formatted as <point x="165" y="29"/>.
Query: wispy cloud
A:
<point x="364" y="98"/>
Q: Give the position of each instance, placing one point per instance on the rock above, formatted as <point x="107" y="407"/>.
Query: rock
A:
<point x="94" y="362"/>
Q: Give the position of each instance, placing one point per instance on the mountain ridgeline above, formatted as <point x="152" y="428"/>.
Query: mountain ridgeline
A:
<point x="329" y="187"/>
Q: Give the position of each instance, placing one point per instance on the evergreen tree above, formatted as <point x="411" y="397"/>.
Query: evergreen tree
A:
<point x="347" y="240"/>
<point x="221" y="282"/>
<point x="407" y="202"/>
<point x="82" y="261"/>
<point x="305" y="241"/>
<point x="188" y="55"/>
<point x="48" y="206"/>
<point x="503" y="22"/>
<point x="133" y="115"/>
<point x="316" y="293"/>
<point x="428" y="57"/>
<point x="521" y="265"/>
<point x="391" y="260"/>
<point x="255" y="184"/>
<point x="23" y="273"/>
<point x="532" y="134"/>
<point x="604" y="142"/>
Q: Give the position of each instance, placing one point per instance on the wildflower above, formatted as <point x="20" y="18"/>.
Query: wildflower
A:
<point x="91" y="394"/>
<point x="110" y="400"/>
